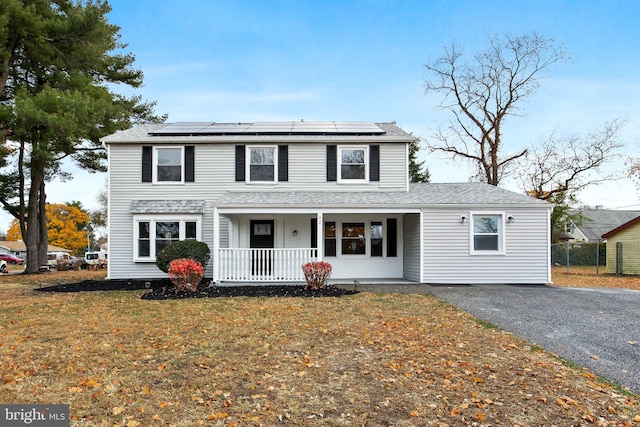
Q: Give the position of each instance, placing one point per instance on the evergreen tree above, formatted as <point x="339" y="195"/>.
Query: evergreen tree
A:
<point x="59" y="63"/>
<point x="416" y="172"/>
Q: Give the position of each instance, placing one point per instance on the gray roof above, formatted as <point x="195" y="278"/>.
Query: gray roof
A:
<point x="420" y="194"/>
<point x="167" y="206"/>
<point x="196" y="131"/>
<point x="601" y="221"/>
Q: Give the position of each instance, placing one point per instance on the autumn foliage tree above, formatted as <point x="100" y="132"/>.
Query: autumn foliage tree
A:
<point x="65" y="227"/>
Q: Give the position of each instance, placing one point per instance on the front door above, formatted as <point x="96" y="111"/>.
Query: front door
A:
<point x="261" y="237"/>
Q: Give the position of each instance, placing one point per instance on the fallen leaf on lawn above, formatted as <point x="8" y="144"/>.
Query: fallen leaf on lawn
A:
<point x="562" y="403"/>
<point x="632" y="342"/>
<point x="75" y="389"/>
<point x="132" y="423"/>
<point x="594" y="357"/>
<point x="117" y="410"/>
<point x="217" y="416"/>
<point x="479" y="416"/>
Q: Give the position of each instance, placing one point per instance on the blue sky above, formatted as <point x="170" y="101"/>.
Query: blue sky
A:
<point x="364" y="60"/>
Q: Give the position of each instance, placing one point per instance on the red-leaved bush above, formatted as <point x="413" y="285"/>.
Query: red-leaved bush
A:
<point x="185" y="274"/>
<point x="317" y="274"/>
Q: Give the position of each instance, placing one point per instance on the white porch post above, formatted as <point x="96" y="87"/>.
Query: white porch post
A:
<point x="320" y="234"/>
<point x="216" y="245"/>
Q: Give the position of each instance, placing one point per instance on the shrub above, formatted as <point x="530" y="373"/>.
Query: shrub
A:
<point x="317" y="274"/>
<point x="185" y="274"/>
<point x="184" y="249"/>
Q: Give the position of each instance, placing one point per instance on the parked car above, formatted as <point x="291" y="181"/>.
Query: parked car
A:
<point x="11" y="259"/>
<point x="96" y="259"/>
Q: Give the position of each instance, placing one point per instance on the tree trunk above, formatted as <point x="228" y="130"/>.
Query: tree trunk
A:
<point x="33" y="222"/>
<point x="43" y="241"/>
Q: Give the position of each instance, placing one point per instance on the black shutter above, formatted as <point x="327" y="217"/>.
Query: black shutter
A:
<point x="314" y="232"/>
<point x="283" y="163"/>
<point x="332" y="159"/>
<point x="374" y="163"/>
<point x="189" y="163"/>
<point x="147" y="164"/>
<point x="392" y="237"/>
<point x="240" y="165"/>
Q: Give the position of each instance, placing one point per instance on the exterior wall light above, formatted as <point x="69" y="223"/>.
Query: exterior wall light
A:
<point x="510" y="219"/>
<point x="463" y="219"/>
<point x="295" y="232"/>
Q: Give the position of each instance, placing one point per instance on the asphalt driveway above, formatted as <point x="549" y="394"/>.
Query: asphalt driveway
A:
<point x="595" y="328"/>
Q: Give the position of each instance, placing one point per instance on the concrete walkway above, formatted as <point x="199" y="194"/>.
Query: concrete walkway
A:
<point x="595" y="328"/>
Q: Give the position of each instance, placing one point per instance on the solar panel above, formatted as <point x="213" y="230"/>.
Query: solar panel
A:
<point x="269" y="128"/>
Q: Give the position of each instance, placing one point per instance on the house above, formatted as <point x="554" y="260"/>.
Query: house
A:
<point x="623" y="248"/>
<point x="269" y="196"/>
<point x="19" y="249"/>
<point x="596" y="223"/>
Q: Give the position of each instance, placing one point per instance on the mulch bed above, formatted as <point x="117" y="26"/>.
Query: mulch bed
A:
<point x="163" y="290"/>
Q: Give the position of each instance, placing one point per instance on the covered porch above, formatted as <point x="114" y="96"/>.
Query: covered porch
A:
<point x="271" y="245"/>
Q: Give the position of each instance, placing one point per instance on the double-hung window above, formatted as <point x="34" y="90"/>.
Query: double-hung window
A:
<point x="262" y="163"/>
<point x="169" y="165"/>
<point x="353" y="165"/>
<point x="354" y="240"/>
<point x="488" y="233"/>
<point x="154" y="234"/>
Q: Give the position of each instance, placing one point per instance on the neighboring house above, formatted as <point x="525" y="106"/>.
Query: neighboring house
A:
<point x="623" y="248"/>
<point x="596" y="223"/>
<point x="268" y="197"/>
<point x="19" y="249"/>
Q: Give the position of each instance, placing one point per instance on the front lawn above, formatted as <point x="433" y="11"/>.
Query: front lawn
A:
<point x="366" y="359"/>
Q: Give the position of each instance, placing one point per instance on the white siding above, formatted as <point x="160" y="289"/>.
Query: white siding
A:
<point x="215" y="174"/>
<point x="447" y="241"/>
<point x="308" y="169"/>
<point x="411" y="262"/>
<point x="125" y="185"/>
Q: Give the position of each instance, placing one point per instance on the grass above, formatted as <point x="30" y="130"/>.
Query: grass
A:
<point x="586" y="277"/>
<point x="367" y="359"/>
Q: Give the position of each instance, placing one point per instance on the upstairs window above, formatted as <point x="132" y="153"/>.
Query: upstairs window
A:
<point x="262" y="164"/>
<point x="353" y="164"/>
<point x="487" y="233"/>
<point x="169" y="164"/>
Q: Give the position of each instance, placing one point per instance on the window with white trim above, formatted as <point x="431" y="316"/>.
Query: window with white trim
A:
<point x="354" y="240"/>
<point x="169" y="164"/>
<point x="488" y="233"/>
<point x="261" y="164"/>
<point x="354" y="164"/>
<point x="151" y="235"/>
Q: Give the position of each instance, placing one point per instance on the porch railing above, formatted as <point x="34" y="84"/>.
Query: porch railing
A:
<point x="264" y="265"/>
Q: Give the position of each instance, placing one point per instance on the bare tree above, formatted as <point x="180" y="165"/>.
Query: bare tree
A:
<point x="568" y="164"/>
<point x="480" y="92"/>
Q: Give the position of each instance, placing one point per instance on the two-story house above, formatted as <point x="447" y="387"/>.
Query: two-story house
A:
<point x="268" y="197"/>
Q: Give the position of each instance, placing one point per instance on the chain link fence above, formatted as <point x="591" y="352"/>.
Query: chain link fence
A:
<point x="580" y="254"/>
